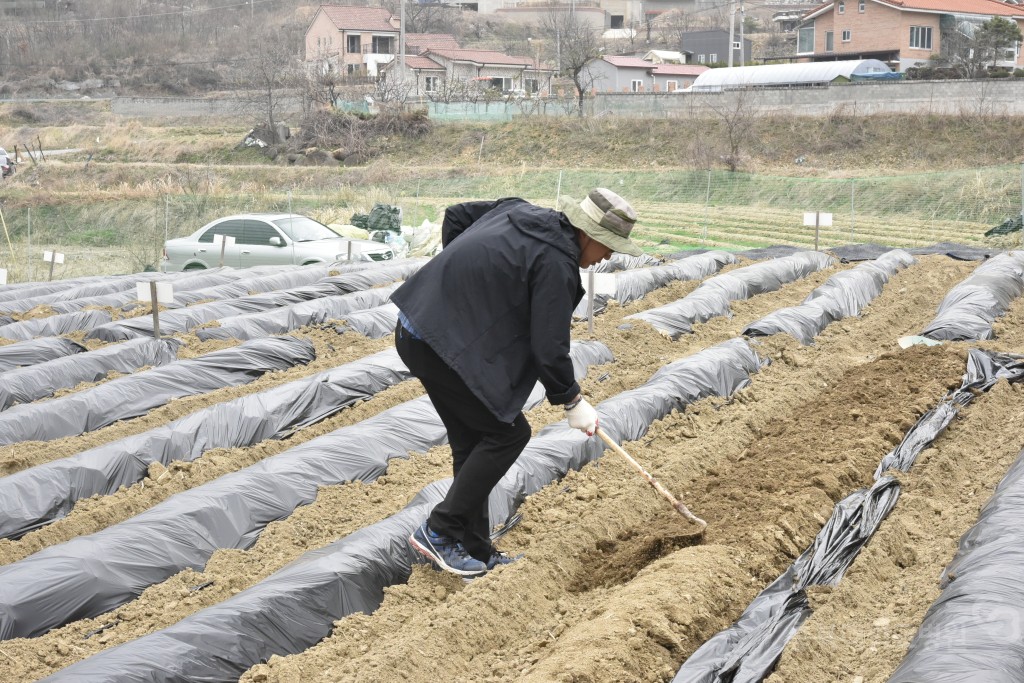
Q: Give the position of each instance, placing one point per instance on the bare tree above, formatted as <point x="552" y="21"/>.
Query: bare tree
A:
<point x="577" y="46"/>
<point x="269" y="75"/>
<point x="736" y="111"/>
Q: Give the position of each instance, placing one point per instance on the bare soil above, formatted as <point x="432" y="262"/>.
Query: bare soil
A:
<point x="613" y="586"/>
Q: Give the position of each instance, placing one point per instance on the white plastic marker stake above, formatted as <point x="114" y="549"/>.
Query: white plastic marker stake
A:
<point x="590" y="302"/>
<point x="53" y="258"/>
<point x="225" y="241"/>
<point x="818" y="220"/>
<point x="156" y="293"/>
<point x="3" y="276"/>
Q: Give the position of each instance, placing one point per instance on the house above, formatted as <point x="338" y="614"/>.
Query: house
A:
<point x="712" y="47"/>
<point x="633" y="74"/>
<point x="900" y="33"/>
<point x="435" y="69"/>
<point x="353" y="40"/>
<point x="418" y="43"/>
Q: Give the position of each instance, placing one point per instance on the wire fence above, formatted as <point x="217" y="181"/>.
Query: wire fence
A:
<point x="678" y="210"/>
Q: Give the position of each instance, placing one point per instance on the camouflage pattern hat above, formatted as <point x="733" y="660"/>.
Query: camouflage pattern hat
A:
<point x="605" y="217"/>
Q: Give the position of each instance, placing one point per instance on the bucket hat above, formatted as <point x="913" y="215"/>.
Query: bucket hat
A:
<point x="605" y="217"/>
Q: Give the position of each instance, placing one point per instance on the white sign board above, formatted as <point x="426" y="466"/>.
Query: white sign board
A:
<point x="3" y="276"/>
<point x="824" y="219"/>
<point x="164" y="292"/>
<point x="51" y="257"/>
<point x="228" y="240"/>
<point x="604" y="283"/>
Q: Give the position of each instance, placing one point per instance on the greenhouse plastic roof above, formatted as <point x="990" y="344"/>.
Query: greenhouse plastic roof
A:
<point x="784" y="74"/>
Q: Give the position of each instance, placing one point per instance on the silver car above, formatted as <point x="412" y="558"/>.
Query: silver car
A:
<point x="262" y="239"/>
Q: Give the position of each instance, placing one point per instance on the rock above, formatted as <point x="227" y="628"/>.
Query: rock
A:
<point x="261" y="673"/>
<point x="156" y="470"/>
<point x="880" y="622"/>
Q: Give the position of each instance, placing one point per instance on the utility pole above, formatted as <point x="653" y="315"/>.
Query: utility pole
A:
<point x="732" y="28"/>
<point x="401" y="41"/>
<point x="250" y="9"/>
<point x="743" y="18"/>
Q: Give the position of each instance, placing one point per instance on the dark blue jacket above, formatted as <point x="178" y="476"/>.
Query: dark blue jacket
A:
<point x="496" y="304"/>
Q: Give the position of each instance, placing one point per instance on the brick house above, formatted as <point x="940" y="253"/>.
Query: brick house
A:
<point x="900" y="33"/>
<point x="633" y="74"/>
<point x="353" y="40"/>
<point x="488" y="69"/>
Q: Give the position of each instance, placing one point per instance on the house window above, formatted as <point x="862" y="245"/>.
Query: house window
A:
<point x="701" y="59"/>
<point x="671" y="86"/>
<point x="430" y="84"/>
<point x="861" y="6"/>
<point x="805" y="40"/>
<point x="501" y="84"/>
<point x="841" y="7"/>
<point x="531" y="85"/>
<point x="921" y="37"/>
<point x="382" y="45"/>
<point x="636" y="86"/>
<point x="847" y="34"/>
<point x="713" y="57"/>
<point x="353" y="44"/>
<point x="617" y="21"/>
<point x="830" y="41"/>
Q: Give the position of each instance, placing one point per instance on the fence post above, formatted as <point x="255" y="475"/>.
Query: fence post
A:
<point x="853" y="211"/>
<point x="1022" y="203"/>
<point x="707" y="202"/>
<point x="29" y="259"/>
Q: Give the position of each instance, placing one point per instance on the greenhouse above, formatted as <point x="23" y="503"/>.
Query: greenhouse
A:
<point x="805" y="74"/>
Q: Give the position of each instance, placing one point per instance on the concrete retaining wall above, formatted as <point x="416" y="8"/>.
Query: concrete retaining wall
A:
<point x="193" y="106"/>
<point x="983" y="97"/>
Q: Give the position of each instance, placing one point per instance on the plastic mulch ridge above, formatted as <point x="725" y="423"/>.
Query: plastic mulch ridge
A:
<point x="296" y="607"/>
<point x="89" y="575"/>
<point x="969" y="309"/>
<point x="137" y="394"/>
<point x="843" y="295"/>
<point x="712" y="297"/>
<point x="747" y="651"/>
<point x="38" y="495"/>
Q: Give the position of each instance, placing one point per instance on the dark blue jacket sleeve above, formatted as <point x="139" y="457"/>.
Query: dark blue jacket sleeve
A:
<point x="552" y="287"/>
<point x="458" y="217"/>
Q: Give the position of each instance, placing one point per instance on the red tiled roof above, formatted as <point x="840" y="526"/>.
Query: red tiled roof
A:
<point x="419" y="62"/>
<point x="359" y="18"/>
<point x="983" y="7"/>
<point x="431" y="41"/>
<point x="960" y="6"/>
<point x="635" y="62"/>
<point x="481" y="57"/>
<point x="679" y="69"/>
<point x="963" y="6"/>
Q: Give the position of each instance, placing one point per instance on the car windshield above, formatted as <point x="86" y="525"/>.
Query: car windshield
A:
<point x="303" y="229"/>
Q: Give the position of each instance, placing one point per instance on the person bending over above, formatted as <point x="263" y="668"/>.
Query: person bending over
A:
<point x="479" y="324"/>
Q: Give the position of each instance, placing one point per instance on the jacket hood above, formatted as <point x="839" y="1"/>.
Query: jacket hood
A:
<point x="546" y="225"/>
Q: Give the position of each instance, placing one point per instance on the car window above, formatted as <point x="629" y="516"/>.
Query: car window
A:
<point x="258" y="232"/>
<point x="303" y="229"/>
<point x="232" y="228"/>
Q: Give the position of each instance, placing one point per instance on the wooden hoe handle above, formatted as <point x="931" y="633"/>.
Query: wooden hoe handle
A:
<point x="677" y="505"/>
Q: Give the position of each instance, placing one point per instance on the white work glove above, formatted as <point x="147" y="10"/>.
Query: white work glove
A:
<point x="583" y="417"/>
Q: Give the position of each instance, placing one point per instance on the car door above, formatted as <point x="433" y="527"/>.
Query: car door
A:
<point x="209" y="250"/>
<point x="256" y="249"/>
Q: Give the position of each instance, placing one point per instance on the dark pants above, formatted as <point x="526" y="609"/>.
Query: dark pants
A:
<point x="483" y="448"/>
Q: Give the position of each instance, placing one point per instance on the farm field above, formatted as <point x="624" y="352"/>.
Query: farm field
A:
<point x="611" y="587"/>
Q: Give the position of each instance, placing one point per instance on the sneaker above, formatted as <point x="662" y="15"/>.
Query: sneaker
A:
<point x="445" y="552"/>
<point x="499" y="558"/>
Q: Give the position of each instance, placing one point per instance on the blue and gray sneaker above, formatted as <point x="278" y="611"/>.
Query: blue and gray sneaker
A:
<point x="499" y="558"/>
<point x="445" y="552"/>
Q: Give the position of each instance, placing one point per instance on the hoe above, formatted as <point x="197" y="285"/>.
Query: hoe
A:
<point x="676" y="504"/>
